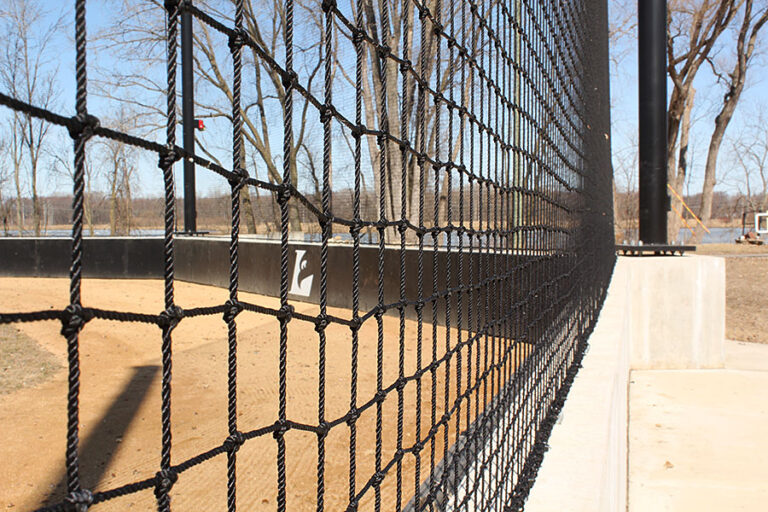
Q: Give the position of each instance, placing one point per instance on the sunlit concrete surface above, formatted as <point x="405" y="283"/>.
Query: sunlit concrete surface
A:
<point x="660" y="312"/>
<point x="585" y="467"/>
<point x="698" y="439"/>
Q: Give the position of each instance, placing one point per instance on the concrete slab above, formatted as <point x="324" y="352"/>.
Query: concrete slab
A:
<point x="743" y="355"/>
<point x="698" y="438"/>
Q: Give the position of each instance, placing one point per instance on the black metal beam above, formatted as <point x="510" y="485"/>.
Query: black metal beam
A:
<point x="652" y="67"/>
<point x="188" y="121"/>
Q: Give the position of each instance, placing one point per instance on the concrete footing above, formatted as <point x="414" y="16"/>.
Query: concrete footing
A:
<point x="660" y="312"/>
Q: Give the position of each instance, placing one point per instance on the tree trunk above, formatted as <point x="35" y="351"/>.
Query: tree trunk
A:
<point x="113" y="200"/>
<point x="247" y="208"/>
<point x="19" y="202"/>
<point x="710" y="171"/>
<point x="677" y="177"/>
<point x="294" y="218"/>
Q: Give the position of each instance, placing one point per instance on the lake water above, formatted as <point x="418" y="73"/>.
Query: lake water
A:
<point x="715" y="236"/>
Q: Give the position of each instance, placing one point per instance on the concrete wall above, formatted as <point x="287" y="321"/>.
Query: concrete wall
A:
<point x="677" y="316"/>
<point x="660" y="312"/>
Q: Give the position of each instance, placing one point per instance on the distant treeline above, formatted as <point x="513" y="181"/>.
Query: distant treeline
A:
<point x="261" y="213"/>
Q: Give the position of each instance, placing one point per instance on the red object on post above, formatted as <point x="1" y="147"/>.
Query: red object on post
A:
<point x="200" y="125"/>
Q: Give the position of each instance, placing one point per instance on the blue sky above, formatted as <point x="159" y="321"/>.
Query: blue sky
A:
<point x="709" y="94"/>
<point x="623" y="91"/>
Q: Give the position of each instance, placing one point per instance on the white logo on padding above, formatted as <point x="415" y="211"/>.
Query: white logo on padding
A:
<point x="302" y="280"/>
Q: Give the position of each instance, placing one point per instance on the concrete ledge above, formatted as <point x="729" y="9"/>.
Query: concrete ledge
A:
<point x="662" y="312"/>
<point x="585" y="468"/>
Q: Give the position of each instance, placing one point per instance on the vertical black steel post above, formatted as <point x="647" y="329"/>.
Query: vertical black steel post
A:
<point x="652" y="64"/>
<point x="188" y="121"/>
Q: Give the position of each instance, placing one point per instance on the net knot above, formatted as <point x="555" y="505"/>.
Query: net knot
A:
<point x="80" y="500"/>
<point x="383" y="51"/>
<point x="357" y="36"/>
<point x="232" y="308"/>
<point x="355" y="228"/>
<point x="352" y="416"/>
<point x="405" y="66"/>
<point x="377" y="478"/>
<point x="402" y="227"/>
<point x="357" y="131"/>
<point x="281" y="427"/>
<point x="284" y="193"/>
<point x="355" y="323"/>
<point x="324" y="219"/>
<point x="327" y="112"/>
<point x="234" y="442"/>
<point x="380" y="396"/>
<point x="400" y="384"/>
<point x="83" y="125"/>
<point x="321" y="322"/>
<point x="378" y="312"/>
<point x="170" y="318"/>
<point x="73" y="319"/>
<point x="419" y="305"/>
<point x="323" y="429"/>
<point x="289" y="79"/>
<point x="285" y="313"/>
<point x="424" y="12"/>
<point x="237" y="39"/>
<point x="329" y="5"/>
<point x="164" y="480"/>
<point x="168" y="156"/>
<point x="239" y="177"/>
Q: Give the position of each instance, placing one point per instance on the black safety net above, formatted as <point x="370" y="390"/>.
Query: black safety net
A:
<point x="480" y="130"/>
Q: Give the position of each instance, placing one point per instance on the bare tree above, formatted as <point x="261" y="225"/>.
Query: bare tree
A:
<point x="693" y="29"/>
<point x="752" y="23"/>
<point x="62" y="164"/>
<point x="6" y="174"/>
<point x="750" y="150"/>
<point x="392" y="94"/>
<point x="28" y="72"/>
<point x="119" y="163"/>
<point x="141" y="43"/>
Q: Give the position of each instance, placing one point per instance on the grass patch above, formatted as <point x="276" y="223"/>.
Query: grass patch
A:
<point x="23" y="363"/>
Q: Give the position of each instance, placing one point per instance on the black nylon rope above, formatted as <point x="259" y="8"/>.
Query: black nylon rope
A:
<point x="504" y="177"/>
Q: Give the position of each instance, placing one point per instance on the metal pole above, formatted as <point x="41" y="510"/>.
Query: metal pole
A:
<point x="652" y="64"/>
<point x="188" y="121"/>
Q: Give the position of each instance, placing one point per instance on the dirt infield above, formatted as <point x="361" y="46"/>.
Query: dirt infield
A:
<point x="746" y="294"/>
<point x="120" y="401"/>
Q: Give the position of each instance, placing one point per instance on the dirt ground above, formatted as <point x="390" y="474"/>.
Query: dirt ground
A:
<point x="120" y="401"/>
<point x="746" y="295"/>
